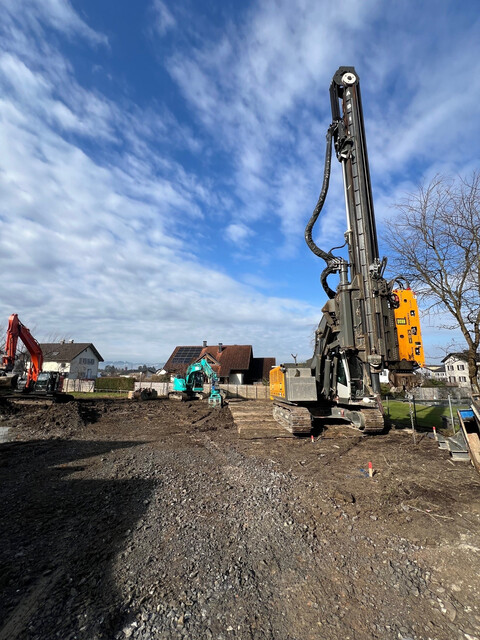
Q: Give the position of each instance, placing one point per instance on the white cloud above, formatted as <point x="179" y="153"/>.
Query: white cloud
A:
<point x="97" y="249"/>
<point x="164" y="20"/>
<point x="58" y="14"/>
<point x="238" y="233"/>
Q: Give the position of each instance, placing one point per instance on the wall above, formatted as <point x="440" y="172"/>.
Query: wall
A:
<point x="442" y="393"/>
<point x="251" y="391"/>
<point x="55" y="366"/>
<point x="456" y="371"/>
<point x="78" y="385"/>
<point x="81" y="369"/>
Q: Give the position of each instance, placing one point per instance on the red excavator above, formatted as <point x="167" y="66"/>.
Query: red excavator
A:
<point x="36" y="382"/>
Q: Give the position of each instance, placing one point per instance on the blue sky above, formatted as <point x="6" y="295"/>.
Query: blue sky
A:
<point x="159" y="160"/>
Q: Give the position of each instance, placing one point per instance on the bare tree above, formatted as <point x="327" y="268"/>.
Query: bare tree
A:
<point x="436" y="242"/>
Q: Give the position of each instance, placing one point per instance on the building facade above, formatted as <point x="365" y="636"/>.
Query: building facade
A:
<point x="456" y="369"/>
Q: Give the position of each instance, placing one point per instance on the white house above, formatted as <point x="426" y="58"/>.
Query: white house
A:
<point x="434" y="371"/>
<point x="456" y="369"/>
<point x="438" y="372"/>
<point x="76" y="360"/>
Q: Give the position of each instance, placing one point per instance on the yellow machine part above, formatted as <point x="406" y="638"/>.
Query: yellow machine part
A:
<point x="407" y="323"/>
<point x="277" y="383"/>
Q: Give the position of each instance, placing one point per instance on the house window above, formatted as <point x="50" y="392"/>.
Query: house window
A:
<point x="462" y="378"/>
<point x="460" y="367"/>
<point x="450" y="367"/>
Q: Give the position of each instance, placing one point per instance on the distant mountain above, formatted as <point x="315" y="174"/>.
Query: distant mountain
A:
<point x="124" y="364"/>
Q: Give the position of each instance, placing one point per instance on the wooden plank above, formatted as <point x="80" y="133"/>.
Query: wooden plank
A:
<point x="474" y="448"/>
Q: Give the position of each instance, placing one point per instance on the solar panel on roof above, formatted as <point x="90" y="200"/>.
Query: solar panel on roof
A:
<point x="186" y="354"/>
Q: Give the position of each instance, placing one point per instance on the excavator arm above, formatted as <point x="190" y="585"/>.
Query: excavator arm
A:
<point x="15" y="331"/>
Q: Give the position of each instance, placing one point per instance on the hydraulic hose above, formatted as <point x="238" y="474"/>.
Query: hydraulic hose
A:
<point x="320" y="202"/>
<point x="327" y="256"/>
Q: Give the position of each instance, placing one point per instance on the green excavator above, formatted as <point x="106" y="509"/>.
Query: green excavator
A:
<point x="191" y="386"/>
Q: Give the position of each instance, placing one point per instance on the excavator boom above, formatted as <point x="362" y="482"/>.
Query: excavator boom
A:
<point x="15" y="331"/>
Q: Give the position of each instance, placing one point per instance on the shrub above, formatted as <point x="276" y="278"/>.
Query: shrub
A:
<point x="433" y="382"/>
<point x="114" y="384"/>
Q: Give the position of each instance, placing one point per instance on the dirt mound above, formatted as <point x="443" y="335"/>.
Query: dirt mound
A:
<point x="42" y="420"/>
<point x="72" y="420"/>
<point x="7" y="408"/>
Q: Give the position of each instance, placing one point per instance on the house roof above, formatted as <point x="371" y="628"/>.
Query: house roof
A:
<point x="435" y="368"/>
<point x="459" y="355"/>
<point x="66" y="351"/>
<point x="232" y="357"/>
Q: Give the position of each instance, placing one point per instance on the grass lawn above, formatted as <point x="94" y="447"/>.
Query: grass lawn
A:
<point x="427" y="416"/>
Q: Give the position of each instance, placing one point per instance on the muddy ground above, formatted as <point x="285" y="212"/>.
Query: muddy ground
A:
<point x="154" y="520"/>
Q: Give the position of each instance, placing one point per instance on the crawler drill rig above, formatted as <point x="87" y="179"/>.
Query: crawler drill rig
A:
<point x="357" y="336"/>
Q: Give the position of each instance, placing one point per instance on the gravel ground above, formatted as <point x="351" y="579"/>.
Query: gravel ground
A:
<point x="149" y="520"/>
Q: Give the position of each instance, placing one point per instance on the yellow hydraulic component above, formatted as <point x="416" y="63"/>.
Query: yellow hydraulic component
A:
<point x="407" y="323"/>
<point x="277" y="383"/>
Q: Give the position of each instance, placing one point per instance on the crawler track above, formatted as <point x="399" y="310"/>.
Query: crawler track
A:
<point x="296" y="420"/>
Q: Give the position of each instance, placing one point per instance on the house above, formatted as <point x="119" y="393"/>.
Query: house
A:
<point x="456" y="368"/>
<point x="434" y="372"/>
<point x="140" y="374"/>
<point x="233" y="363"/>
<point x="76" y="360"/>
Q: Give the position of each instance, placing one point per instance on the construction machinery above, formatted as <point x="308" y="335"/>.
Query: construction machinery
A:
<point x="368" y="323"/>
<point x="192" y="385"/>
<point x="36" y="383"/>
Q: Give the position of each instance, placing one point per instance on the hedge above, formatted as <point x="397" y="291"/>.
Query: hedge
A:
<point x="115" y="384"/>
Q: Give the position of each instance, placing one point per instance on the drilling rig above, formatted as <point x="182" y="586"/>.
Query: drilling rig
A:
<point x="369" y="323"/>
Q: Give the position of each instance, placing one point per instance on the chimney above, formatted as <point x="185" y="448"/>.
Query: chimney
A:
<point x="204" y="343"/>
<point x="220" y="347"/>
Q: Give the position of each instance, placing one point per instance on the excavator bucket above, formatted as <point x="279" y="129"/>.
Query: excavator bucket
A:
<point x="215" y="400"/>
